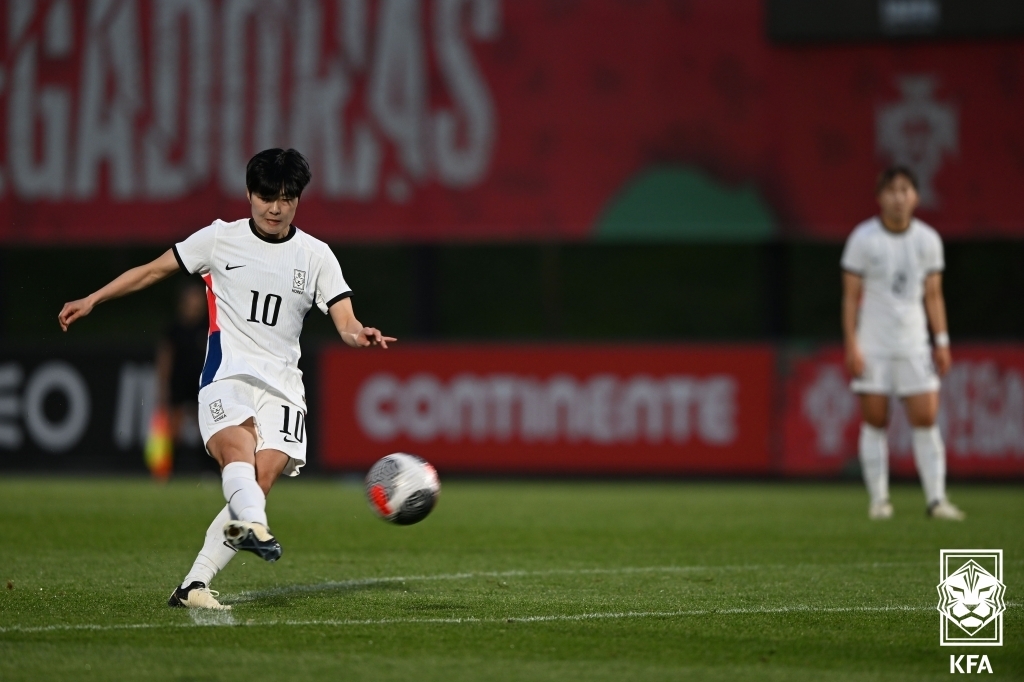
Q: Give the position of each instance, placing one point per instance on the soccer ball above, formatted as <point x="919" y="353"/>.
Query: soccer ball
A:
<point x="402" y="488"/>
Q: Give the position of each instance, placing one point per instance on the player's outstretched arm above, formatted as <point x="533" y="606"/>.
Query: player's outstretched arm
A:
<point x="128" y="282"/>
<point x="853" y="286"/>
<point x="352" y="332"/>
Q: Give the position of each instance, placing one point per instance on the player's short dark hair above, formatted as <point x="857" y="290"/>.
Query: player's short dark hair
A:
<point x="893" y="172"/>
<point x="277" y="173"/>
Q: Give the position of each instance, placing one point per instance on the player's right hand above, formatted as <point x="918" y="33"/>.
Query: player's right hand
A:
<point x="368" y="336"/>
<point x="854" y="361"/>
<point x="72" y="311"/>
<point x="943" y="359"/>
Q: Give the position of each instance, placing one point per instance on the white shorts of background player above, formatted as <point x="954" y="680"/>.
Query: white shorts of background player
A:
<point x="899" y="376"/>
<point x="280" y="424"/>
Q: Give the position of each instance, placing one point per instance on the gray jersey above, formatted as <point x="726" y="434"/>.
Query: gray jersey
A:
<point x="259" y="292"/>
<point x="892" y="321"/>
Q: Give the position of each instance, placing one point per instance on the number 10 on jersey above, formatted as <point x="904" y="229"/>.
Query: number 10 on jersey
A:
<point x="269" y="316"/>
<point x="299" y="430"/>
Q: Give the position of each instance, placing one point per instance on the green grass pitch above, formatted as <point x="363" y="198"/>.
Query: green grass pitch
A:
<point x="504" y="581"/>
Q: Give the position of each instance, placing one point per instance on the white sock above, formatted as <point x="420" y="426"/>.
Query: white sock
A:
<point x="930" y="457"/>
<point x="214" y="555"/>
<point x="874" y="462"/>
<point x="243" y="493"/>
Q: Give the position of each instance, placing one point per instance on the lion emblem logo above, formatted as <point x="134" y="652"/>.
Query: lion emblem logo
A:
<point x="970" y="597"/>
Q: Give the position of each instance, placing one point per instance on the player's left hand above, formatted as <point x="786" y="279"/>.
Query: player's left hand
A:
<point x="943" y="360"/>
<point x="368" y="336"/>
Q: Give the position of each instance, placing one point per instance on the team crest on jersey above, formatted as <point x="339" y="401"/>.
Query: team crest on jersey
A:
<point x="217" y="410"/>
<point x="299" y="281"/>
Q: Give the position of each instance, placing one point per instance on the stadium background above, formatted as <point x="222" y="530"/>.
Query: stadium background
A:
<point x="607" y="233"/>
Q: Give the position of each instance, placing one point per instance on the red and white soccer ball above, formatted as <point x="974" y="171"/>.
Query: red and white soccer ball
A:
<point x="402" y="488"/>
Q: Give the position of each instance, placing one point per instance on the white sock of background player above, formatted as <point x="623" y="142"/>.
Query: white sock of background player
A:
<point x="214" y="555"/>
<point x="930" y="457"/>
<point x="874" y="461"/>
<point x="243" y="493"/>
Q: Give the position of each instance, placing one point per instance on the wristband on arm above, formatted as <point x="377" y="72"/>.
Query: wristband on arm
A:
<point x="942" y="340"/>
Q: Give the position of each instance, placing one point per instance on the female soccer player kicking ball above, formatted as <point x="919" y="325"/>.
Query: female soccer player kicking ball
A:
<point x="262" y="276"/>
<point x="892" y="276"/>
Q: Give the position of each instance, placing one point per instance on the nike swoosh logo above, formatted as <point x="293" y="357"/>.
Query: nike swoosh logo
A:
<point x="233" y="267"/>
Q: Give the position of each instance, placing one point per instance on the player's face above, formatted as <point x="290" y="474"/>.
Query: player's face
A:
<point x="273" y="217"/>
<point x="897" y="200"/>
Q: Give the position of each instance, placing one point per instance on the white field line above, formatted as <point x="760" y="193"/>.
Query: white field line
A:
<point x="398" y="580"/>
<point x="223" y="618"/>
<point x="228" y="620"/>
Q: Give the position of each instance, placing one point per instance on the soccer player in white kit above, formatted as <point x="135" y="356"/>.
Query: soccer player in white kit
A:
<point x="263" y="275"/>
<point x="892" y="290"/>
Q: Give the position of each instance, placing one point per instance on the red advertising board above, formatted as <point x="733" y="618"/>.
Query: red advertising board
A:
<point x="132" y="121"/>
<point x="550" y="409"/>
<point x="981" y="415"/>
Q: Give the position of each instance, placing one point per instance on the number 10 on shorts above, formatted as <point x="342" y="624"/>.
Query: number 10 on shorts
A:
<point x="298" y="430"/>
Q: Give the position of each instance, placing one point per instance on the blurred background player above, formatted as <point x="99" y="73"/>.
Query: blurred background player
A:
<point x="179" y="362"/>
<point x="892" y="291"/>
<point x="264" y="275"/>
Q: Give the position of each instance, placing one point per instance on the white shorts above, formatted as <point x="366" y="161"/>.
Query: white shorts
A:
<point x="901" y="377"/>
<point x="280" y="424"/>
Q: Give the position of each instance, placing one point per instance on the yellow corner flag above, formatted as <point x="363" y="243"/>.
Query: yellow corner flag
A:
<point x="159" y="445"/>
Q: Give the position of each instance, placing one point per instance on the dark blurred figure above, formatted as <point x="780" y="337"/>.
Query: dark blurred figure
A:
<point x="179" y="362"/>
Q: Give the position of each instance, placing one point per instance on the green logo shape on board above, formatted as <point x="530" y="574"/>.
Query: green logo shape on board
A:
<point x="684" y="204"/>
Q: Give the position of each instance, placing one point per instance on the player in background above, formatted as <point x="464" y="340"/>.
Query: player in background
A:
<point x="180" y="356"/>
<point x="262" y="275"/>
<point x="892" y="291"/>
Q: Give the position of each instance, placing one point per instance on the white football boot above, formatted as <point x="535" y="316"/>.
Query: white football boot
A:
<point x="880" y="511"/>
<point x="945" y="510"/>
<point x="197" y="596"/>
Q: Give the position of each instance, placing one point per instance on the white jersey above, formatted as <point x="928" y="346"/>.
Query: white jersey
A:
<point x="894" y="266"/>
<point x="259" y="292"/>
